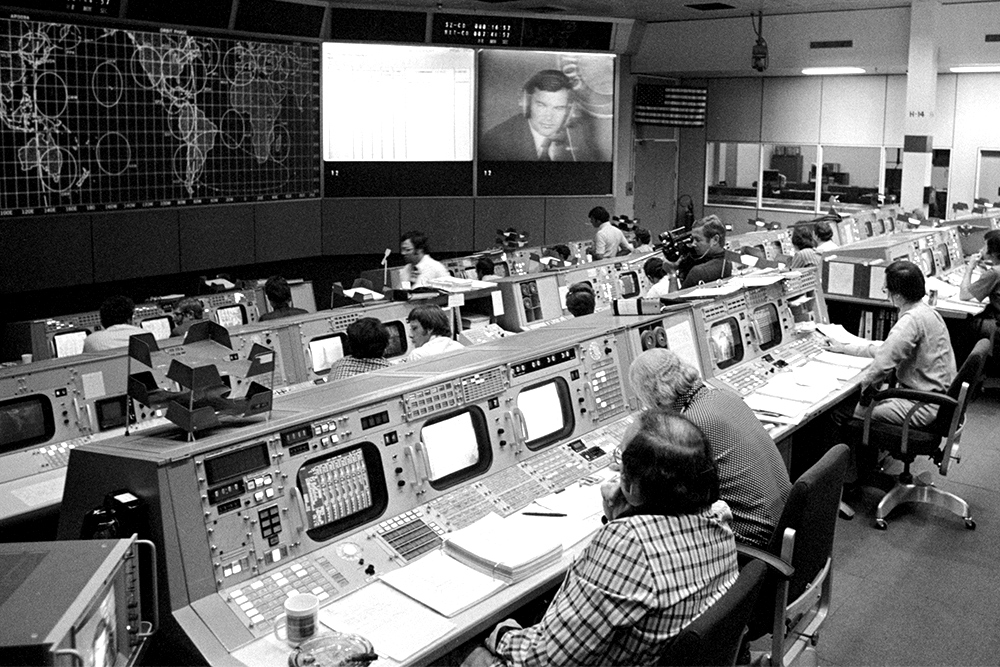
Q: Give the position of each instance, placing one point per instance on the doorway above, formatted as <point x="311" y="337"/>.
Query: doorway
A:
<point x="655" y="200"/>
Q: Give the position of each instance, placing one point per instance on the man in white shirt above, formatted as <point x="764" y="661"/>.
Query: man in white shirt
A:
<point x="116" y="318"/>
<point x="430" y="332"/>
<point x="609" y="241"/>
<point x="420" y="267"/>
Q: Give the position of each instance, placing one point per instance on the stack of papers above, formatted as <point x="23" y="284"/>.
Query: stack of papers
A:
<point x="510" y="549"/>
<point x="442" y="583"/>
<point x="838" y="334"/>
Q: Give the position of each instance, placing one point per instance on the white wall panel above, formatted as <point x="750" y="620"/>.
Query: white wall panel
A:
<point x="977" y="125"/>
<point x="791" y="110"/>
<point x="734" y="109"/>
<point x="853" y="110"/>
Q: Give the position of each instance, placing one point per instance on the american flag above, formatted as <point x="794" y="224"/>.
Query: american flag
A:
<point x="657" y="104"/>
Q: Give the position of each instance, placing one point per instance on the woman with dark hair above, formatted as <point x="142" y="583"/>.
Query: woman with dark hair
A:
<point x="666" y="554"/>
<point x="805" y="256"/>
<point x="657" y="272"/>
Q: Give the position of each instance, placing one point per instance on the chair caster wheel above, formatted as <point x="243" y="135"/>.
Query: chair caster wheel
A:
<point x="970" y="524"/>
<point x="881" y="524"/>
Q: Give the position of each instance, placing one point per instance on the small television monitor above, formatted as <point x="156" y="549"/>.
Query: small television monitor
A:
<point x="457" y="447"/>
<point x="629" y="283"/>
<point x="111" y="412"/>
<point x="927" y="262"/>
<point x="160" y="326"/>
<point x="25" y="421"/>
<point x="725" y="342"/>
<point x="945" y="256"/>
<point x="868" y="228"/>
<point x="501" y="269"/>
<point x="68" y="343"/>
<point x="231" y="316"/>
<point x="879" y="226"/>
<point x="397" y="346"/>
<point x="341" y="490"/>
<point x="767" y="325"/>
<point x="325" y="350"/>
<point x="546" y="409"/>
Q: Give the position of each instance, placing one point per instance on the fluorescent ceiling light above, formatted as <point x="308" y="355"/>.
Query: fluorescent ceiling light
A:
<point x="833" y="70"/>
<point x="975" y="68"/>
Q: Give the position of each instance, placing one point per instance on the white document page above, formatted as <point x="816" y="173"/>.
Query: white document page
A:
<point x="773" y="405"/>
<point x="803" y="388"/>
<point x="396" y="626"/>
<point x="442" y="583"/>
<point x="841" y="278"/>
<point x="838" y="334"/>
<point x="843" y="359"/>
<point x="828" y="371"/>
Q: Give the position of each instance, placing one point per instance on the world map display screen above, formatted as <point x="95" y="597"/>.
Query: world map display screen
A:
<point x="96" y="118"/>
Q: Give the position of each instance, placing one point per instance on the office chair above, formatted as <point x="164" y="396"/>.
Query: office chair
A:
<point x="714" y="637"/>
<point x="800" y="560"/>
<point x="939" y="439"/>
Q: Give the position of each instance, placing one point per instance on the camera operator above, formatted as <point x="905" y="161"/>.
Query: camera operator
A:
<point x="703" y="258"/>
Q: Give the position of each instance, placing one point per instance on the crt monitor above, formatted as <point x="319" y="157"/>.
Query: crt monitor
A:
<point x="397" y="346"/>
<point x="726" y="343"/>
<point x="25" y="421"/>
<point x="879" y="226"/>
<point x="771" y="178"/>
<point x="547" y="412"/>
<point x="457" y="447"/>
<point x="629" y="283"/>
<point x="325" y="350"/>
<point x="68" y="343"/>
<point x="160" y="326"/>
<point x="342" y="489"/>
<point x="945" y="256"/>
<point x="927" y="260"/>
<point x="767" y="325"/>
<point x="231" y="316"/>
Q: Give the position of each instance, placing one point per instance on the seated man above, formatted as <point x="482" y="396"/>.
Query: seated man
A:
<point x="485" y="270"/>
<point x="187" y="312"/>
<point x="824" y="234"/>
<point x="666" y="554"/>
<point x="987" y="287"/>
<point x="753" y="479"/>
<point x="430" y="332"/>
<point x="116" y="318"/>
<point x="580" y="299"/>
<point x="367" y="339"/>
<point x="706" y="262"/>
<point x="420" y="267"/>
<point x="918" y="349"/>
<point x="279" y="295"/>
<point x="656" y="270"/>
<point x="643" y="240"/>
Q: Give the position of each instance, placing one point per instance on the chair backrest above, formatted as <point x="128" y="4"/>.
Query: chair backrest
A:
<point x="970" y="372"/>
<point x="811" y="510"/>
<point x="714" y="637"/>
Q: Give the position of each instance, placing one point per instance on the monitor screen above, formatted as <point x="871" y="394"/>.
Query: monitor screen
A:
<point x="927" y="261"/>
<point x="397" y="346"/>
<point x="68" y="343"/>
<point x="768" y="325"/>
<point x="879" y="226"/>
<point x="341" y="490"/>
<point x="868" y="228"/>
<point x="457" y="447"/>
<point x="24" y="421"/>
<point x="231" y="316"/>
<point x="629" y="284"/>
<point x="501" y="269"/>
<point x="725" y="342"/>
<point x="945" y="256"/>
<point x="387" y="103"/>
<point x="546" y="411"/>
<point x="160" y="326"/>
<point x="111" y="412"/>
<point x="324" y="350"/>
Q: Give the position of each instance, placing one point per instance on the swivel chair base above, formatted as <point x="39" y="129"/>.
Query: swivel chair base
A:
<point x="919" y="491"/>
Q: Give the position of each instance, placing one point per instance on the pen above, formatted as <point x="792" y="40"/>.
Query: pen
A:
<point x="542" y="514"/>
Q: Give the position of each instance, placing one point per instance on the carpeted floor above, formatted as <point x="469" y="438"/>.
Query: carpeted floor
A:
<point x="927" y="590"/>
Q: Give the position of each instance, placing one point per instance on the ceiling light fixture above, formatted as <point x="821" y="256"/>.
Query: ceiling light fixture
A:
<point x="813" y="71"/>
<point x="960" y="69"/>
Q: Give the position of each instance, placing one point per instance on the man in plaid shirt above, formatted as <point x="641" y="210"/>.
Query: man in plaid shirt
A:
<point x="666" y="555"/>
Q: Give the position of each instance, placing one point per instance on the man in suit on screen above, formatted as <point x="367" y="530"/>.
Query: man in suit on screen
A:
<point x="543" y="131"/>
